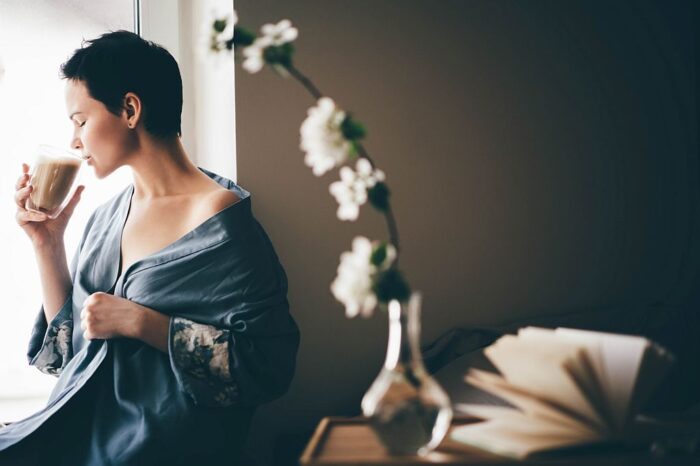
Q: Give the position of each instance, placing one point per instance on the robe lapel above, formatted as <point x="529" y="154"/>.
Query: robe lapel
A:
<point x="99" y="261"/>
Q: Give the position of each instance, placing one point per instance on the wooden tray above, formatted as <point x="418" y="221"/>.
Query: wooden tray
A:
<point x="351" y="441"/>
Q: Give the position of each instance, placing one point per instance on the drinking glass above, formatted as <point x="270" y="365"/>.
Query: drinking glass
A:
<point x="54" y="178"/>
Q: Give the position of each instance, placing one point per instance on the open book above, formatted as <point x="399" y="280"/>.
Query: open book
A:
<point x="567" y="387"/>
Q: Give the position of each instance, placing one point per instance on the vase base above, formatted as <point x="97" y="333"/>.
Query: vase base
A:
<point x="408" y="430"/>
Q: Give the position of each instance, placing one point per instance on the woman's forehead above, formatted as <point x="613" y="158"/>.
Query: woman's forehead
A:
<point x="77" y="96"/>
<point x="76" y="90"/>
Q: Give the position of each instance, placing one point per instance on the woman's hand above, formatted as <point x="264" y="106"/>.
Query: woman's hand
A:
<point x="107" y="316"/>
<point x="38" y="226"/>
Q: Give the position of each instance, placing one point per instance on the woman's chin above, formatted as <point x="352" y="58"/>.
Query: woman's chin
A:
<point x="99" y="174"/>
<point x="100" y="170"/>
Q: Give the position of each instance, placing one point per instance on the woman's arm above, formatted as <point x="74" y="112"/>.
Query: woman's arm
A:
<point x="46" y="236"/>
<point x="107" y="316"/>
<point x="152" y="328"/>
<point x="215" y="366"/>
<point x="56" y="282"/>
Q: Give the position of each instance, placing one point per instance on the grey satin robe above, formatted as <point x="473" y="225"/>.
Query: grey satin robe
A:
<point x="232" y="345"/>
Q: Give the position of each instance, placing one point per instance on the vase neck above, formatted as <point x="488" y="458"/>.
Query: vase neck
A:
<point x="404" y="335"/>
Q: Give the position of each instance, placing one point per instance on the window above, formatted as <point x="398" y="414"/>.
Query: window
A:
<point x="35" y="38"/>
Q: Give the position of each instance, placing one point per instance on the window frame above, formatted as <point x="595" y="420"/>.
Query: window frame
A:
<point x="208" y="112"/>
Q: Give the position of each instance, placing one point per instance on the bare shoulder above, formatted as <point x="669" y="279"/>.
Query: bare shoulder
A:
<point x="219" y="199"/>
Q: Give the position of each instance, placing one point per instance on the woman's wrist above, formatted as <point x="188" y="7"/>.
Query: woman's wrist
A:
<point x="51" y="247"/>
<point x="135" y="327"/>
<point x="151" y="327"/>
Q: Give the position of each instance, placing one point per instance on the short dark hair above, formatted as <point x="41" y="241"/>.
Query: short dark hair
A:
<point x="119" y="62"/>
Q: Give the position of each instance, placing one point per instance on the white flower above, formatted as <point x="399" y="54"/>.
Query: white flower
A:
<point x="217" y="40"/>
<point x="322" y="138"/>
<point x="351" y="190"/>
<point x="356" y="275"/>
<point x="353" y="285"/>
<point x="272" y="35"/>
<point x="253" y="54"/>
<point x="280" y="33"/>
<point x="211" y="45"/>
<point x="219" y="364"/>
<point x="188" y="336"/>
<point x="195" y="335"/>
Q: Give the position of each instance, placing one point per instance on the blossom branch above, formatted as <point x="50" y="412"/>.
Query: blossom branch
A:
<point x="306" y="82"/>
<point x="388" y="212"/>
<point x="368" y="274"/>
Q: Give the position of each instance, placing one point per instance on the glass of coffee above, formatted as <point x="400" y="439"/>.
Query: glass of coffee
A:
<point x="53" y="179"/>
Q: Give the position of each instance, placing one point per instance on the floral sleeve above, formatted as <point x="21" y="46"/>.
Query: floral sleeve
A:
<point x="199" y="355"/>
<point x="51" y="346"/>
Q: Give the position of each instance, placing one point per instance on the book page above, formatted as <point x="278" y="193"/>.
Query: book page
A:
<point x="622" y="357"/>
<point x="504" y="413"/>
<point x="535" y="368"/>
<point x="529" y="405"/>
<point x="514" y="439"/>
<point x="580" y="362"/>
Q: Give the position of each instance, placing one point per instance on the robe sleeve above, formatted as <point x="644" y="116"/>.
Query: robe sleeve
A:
<point x="218" y="367"/>
<point x="51" y="344"/>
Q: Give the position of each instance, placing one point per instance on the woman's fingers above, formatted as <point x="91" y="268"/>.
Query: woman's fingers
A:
<point x="22" y="181"/>
<point x="26" y="216"/>
<point x="22" y="192"/>
<point x="21" y="196"/>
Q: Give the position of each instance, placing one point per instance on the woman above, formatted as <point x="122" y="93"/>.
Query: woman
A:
<point x="172" y="323"/>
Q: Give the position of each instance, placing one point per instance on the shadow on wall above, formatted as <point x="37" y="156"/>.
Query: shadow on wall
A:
<point x="543" y="161"/>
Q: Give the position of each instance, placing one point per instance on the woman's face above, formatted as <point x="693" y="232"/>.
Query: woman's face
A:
<point x="99" y="134"/>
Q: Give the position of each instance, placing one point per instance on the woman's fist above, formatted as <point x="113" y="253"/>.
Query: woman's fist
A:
<point x="107" y="316"/>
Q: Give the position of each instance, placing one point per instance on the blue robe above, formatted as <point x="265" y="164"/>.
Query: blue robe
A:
<point x="232" y="345"/>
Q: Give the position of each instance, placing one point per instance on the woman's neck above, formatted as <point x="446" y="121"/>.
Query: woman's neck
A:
<point x="163" y="169"/>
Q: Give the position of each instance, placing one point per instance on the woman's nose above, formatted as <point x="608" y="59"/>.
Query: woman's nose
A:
<point x="76" y="144"/>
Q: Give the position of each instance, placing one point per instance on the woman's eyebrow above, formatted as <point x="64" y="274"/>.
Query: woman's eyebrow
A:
<point x="74" y="113"/>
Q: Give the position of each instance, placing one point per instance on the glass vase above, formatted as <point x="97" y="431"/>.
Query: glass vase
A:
<point x="407" y="409"/>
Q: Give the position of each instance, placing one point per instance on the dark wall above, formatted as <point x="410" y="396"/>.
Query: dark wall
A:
<point x="542" y="157"/>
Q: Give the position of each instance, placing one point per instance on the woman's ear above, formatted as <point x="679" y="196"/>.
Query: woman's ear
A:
<point x="132" y="106"/>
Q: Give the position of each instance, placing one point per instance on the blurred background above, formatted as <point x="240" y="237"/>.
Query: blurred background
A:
<point x="543" y="163"/>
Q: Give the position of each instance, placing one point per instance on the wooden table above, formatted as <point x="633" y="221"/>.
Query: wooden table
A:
<point x="351" y="441"/>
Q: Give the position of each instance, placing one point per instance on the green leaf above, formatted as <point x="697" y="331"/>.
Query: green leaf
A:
<point x="391" y="285"/>
<point x="220" y="24"/>
<point x="378" y="196"/>
<point x="242" y="37"/>
<point x="352" y="130"/>
<point x="353" y="152"/>
<point x="281" y="55"/>
<point x="378" y="255"/>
